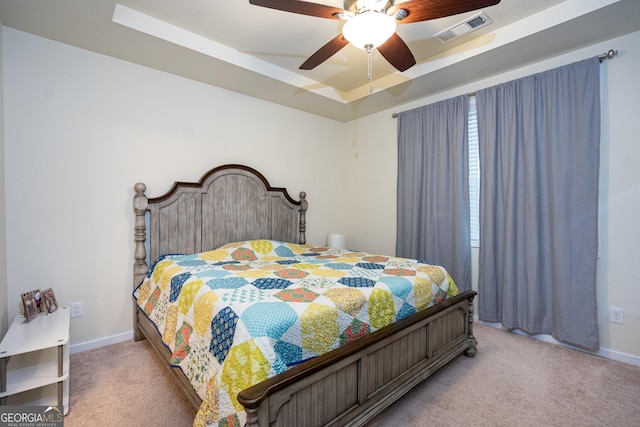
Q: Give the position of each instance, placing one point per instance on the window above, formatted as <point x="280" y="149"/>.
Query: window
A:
<point x="474" y="173"/>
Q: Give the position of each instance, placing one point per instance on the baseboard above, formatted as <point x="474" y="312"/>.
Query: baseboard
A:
<point x="90" y="345"/>
<point x="603" y="352"/>
<point x="619" y="356"/>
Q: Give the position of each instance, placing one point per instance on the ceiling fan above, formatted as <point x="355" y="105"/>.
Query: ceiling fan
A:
<point x="372" y="24"/>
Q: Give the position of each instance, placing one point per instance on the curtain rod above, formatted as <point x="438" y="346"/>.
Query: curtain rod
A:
<point x="610" y="54"/>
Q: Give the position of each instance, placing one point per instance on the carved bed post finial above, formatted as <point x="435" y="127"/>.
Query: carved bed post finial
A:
<point x="140" y="204"/>
<point x="304" y="205"/>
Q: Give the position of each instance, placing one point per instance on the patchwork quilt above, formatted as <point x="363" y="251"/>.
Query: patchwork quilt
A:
<point x="247" y="311"/>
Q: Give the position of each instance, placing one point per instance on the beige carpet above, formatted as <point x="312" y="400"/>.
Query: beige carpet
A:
<point x="513" y="381"/>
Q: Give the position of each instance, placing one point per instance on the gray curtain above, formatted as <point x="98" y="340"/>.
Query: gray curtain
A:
<point x="433" y="187"/>
<point x="539" y="141"/>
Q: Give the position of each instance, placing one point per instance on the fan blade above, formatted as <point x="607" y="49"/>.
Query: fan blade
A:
<point x="424" y="10"/>
<point x="396" y="51"/>
<point x="324" y="53"/>
<point x="300" y="7"/>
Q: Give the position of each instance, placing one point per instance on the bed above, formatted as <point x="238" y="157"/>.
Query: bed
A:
<point x="232" y="219"/>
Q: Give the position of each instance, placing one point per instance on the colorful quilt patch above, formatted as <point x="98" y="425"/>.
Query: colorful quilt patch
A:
<point x="152" y="300"/>
<point x="370" y="266"/>
<point x="357" y="282"/>
<point x="176" y="285"/>
<point x="291" y="354"/>
<point x="182" y="347"/>
<point x="244" y="254"/>
<point x="291" y="273"/>
<point x="356" y="329"/>
<point x="268" y="319"/>
<point x="297" y="295"/>
<point x="271" y="283"/>
<point x="223" y="328"/>
<point x="227" y="283"/>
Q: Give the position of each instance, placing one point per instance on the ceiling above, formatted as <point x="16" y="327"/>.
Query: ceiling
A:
<point x="257" y="51"/>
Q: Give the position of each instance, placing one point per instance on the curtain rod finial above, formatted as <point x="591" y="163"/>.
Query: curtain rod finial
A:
<point x="608" y="55"/>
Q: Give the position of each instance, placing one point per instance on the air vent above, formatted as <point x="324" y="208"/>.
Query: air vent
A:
<point x="463" y="28"/>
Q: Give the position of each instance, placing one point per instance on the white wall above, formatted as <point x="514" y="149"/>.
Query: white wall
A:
<point x="4" y="321"/>
<point x="81" y="129"/>
<point x="371" y="169"/>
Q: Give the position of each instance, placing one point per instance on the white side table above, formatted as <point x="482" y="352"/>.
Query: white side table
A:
<point x="35" y="354"/>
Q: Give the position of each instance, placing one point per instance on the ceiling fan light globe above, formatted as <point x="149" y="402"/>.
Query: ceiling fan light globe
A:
<point x="369" y="28"/>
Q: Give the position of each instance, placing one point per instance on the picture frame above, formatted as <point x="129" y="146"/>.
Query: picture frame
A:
<point x="37" y="295"/>
<point x="50" y="301"/>
<point x="30" y="305"/>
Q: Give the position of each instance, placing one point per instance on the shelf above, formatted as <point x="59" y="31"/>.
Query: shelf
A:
<point x="43" y="331"/>
<point x="34" y="354"/>
<point x="38" y="370"/>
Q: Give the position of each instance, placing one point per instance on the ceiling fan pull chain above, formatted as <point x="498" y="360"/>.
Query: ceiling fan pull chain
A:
<point x="369" y="67"/>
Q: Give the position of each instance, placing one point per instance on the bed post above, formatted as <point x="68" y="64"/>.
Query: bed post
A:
<point x="140" y="203"/>
<point x="472" y="350"/>
<point x="252" y="417"/>
<point x="304" y="205"/>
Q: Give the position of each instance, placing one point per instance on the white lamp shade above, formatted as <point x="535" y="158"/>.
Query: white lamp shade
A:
<point x="369" y="28"/>
<point x="335" y="240"/>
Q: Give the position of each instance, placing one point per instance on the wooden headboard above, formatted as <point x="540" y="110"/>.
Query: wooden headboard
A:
<point x="230" y="203"/>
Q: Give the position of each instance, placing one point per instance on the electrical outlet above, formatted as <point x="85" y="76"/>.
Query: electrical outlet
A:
<point x="616" y="315"/>
<point x="76" y="309"/>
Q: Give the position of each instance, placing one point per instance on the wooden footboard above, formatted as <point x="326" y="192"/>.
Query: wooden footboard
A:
<point x="352" y="384"/>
